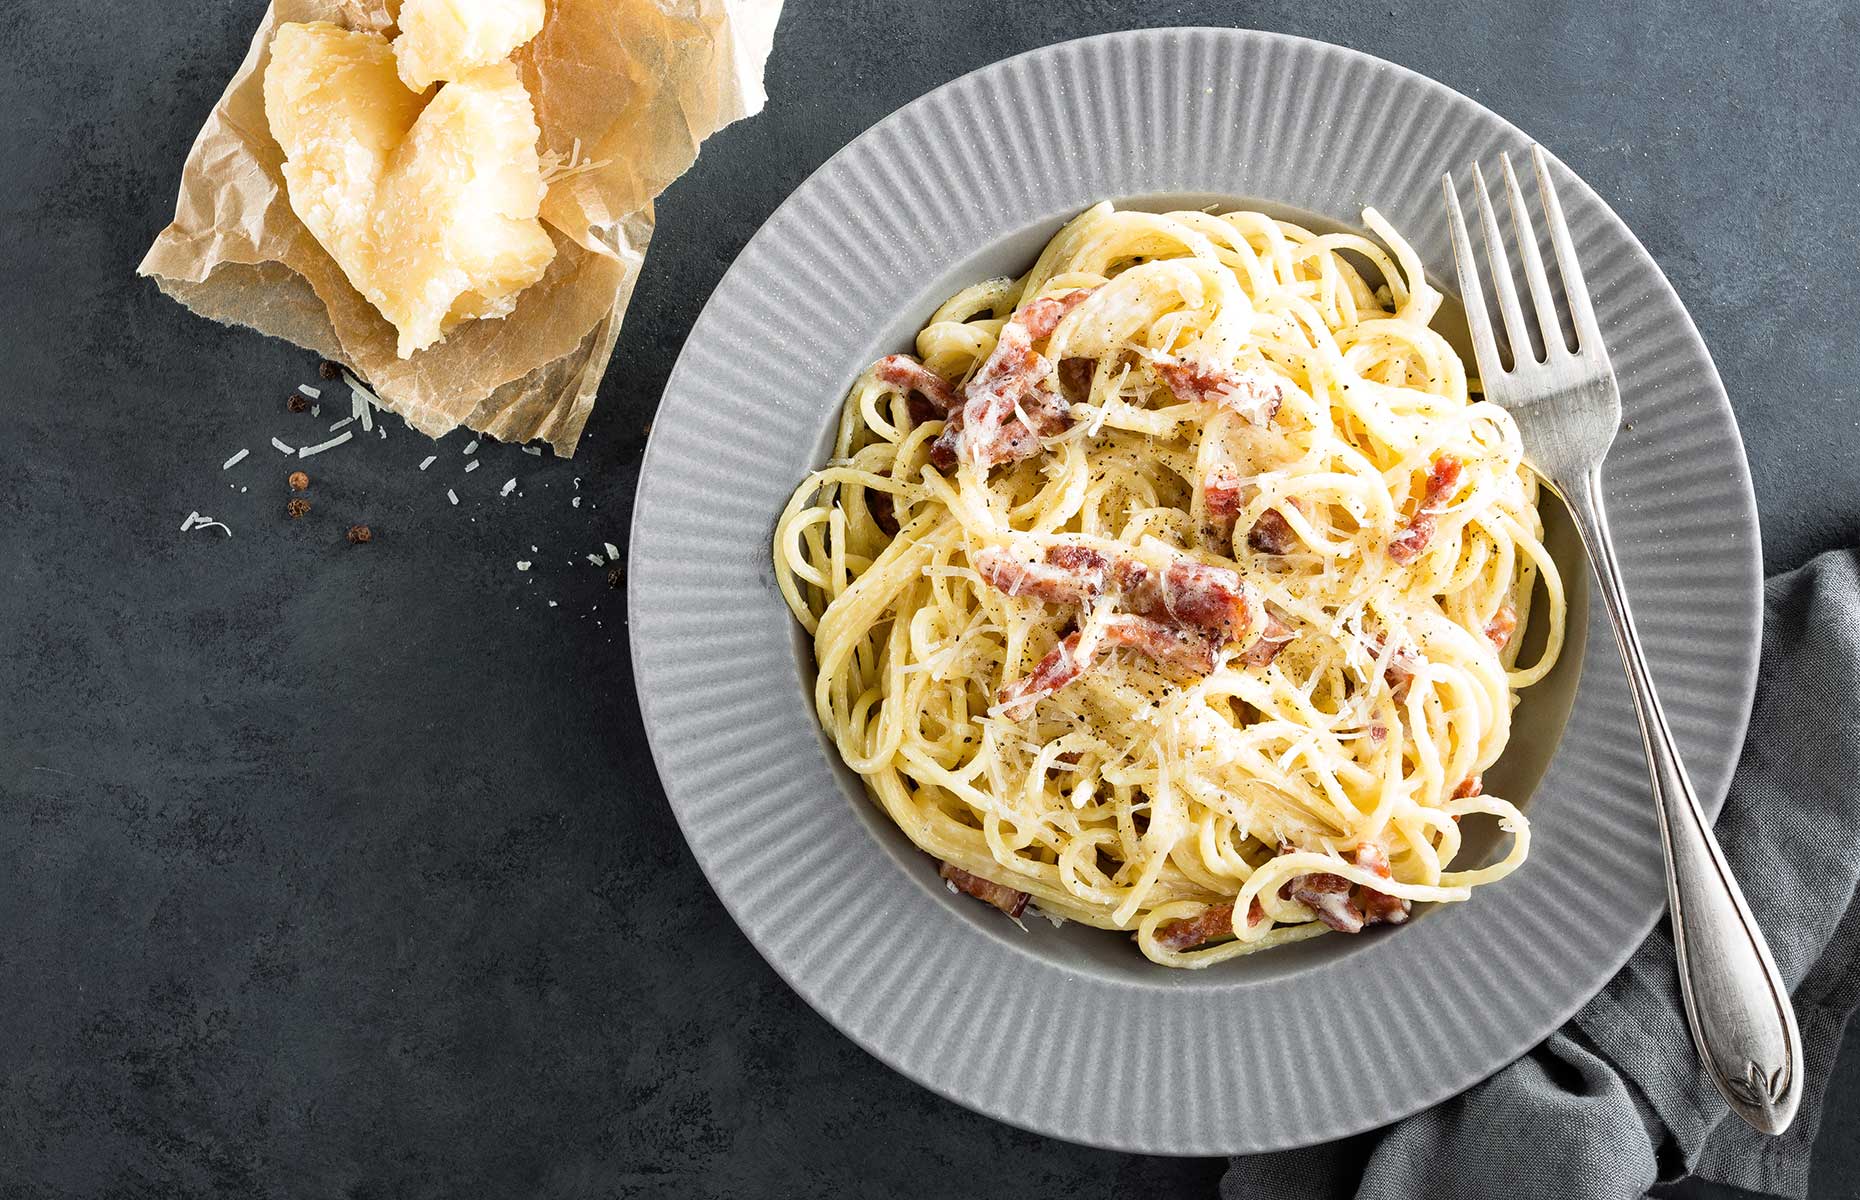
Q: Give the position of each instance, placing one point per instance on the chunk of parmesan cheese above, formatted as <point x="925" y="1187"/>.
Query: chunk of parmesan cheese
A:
<point x="456" y="233"/>
<point x="446" y="39"/>
<point x="337" y="107"/>
<point x="429" y="206"/>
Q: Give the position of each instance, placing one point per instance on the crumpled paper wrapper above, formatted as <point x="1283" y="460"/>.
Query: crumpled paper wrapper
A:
<point x="639" y="83"/>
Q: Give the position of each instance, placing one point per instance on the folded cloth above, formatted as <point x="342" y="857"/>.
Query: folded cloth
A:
<point x="1615" y="1101"/>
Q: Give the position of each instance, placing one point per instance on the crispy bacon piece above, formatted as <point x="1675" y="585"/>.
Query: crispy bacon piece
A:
<point x="1271" y="640"/>
<point x="1185" y="650"/>
<point x="1469" y="787"/>
<point x="928" y="396"/>
<point x="1328" y="896"/>
<point x="884" y="513"/>
<point x="1042" y="316"/>
<point x="1379" y="908"/>
<point x="1212" y="599"/>
<point x="1254" y="395"/>
<point x="1214" y="921"/>
<point x="1139" y="590"/>
<point x="943" y="450"/>
<point x="1224" y="495"/>
<point x="1068" y="574"/>
<point x="1180" y="617"/>
<point x="1442" y="478"/>
<point x="1007" y="899"/>
<point x="991" y="430"/>
<point x="1062" y="664"/>
<point x="1047" y="412"/>
<point x="1503" y="624"/>
<point x="1272" y="533"/>
<point x="1075" y="376"/>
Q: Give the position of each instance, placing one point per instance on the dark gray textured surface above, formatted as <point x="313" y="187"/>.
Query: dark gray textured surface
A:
<point x="331" y="870"/>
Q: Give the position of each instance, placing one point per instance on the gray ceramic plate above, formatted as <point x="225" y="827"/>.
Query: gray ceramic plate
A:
<point x="1071" y="1032"/>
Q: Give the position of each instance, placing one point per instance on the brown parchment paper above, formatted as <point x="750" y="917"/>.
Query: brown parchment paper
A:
<point x="638" y="83"/>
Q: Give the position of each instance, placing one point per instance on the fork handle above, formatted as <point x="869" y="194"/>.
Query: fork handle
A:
<point x="1736" y="1002"/>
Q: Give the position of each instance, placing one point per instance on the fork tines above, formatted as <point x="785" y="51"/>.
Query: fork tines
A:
<point x="1543" y="302"/>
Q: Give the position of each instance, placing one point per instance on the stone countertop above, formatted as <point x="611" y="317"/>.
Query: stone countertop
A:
<point x="332" y="870"/>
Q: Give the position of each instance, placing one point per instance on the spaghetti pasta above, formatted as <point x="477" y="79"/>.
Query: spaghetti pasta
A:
<point x="1176" y="585"/>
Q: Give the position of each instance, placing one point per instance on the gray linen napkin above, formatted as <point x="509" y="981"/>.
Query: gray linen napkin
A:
<point x="1615" y="1101"/>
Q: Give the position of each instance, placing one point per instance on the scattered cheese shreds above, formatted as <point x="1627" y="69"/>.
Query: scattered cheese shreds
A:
<point x="510" y="485"/>
<point x="362" y="400"/>
<point x="471" y="466"/>
<point x="359" y="391"/>
<point x="471" y="447"/>
<point x="536" y="450"/>
<point x="313" y="393"/>
<point x="281" y="448"/>
<point x="452" y="495"/>
<point x="307" y="451"/>
<point x="597" y="560"/>
<point x="428" y="461"/>
<point x="196" y="521"/>
<point x="234" y="461"/>
<point x="613" y="555"/>
<point x="339" y="424"/>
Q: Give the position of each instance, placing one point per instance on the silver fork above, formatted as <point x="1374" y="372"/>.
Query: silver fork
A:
<point x="1568" y="407"/>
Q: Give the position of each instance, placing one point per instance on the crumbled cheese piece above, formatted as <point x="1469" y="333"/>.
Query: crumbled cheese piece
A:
<point x="535" y="450"/>
<point x="523" y="564"/>
<point x="428" y="461"/>
<point x="281" y="448"/>
<point x="597" y="560"/>
<point x="307" y="451"/>
<point x="234" y="461"/>
<point x="313" y="393"/>
<point x="613" y="555"/>
<point x="471" y="447"/>
<point x="510" y="485"/>
<point x="452" y="495"/>
<point x="575" y="503"/>
<point x="551" y="604"/>
<point x="471" y="466"/>
<point x="335" y="425"/>
<point x="316" y="410"/>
